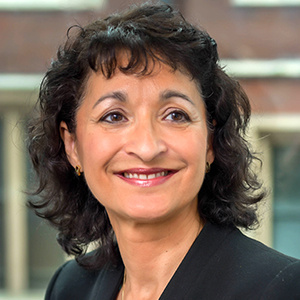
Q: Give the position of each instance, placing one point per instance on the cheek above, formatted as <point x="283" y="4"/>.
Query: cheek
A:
<point x="194" y="151"/>
<point x="96" y="150"/>
<point x="193" y="146"/>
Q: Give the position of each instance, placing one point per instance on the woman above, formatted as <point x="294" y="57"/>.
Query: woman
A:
<point x="139" y="147"/>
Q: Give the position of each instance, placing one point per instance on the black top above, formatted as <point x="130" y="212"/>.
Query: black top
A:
<point x="222" y="264"/>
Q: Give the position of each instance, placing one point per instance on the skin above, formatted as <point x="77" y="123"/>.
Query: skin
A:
<point x="144" y="125"/>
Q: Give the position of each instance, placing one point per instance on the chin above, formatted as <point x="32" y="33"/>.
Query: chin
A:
<point x="146" y="215"/>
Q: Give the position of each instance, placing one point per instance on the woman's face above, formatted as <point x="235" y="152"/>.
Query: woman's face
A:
<point x="142" y="143"/>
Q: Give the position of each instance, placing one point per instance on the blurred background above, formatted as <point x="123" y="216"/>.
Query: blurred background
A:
<point x="259" y="44"/>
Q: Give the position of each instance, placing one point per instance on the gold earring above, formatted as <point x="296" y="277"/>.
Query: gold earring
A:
<point x="78" y="170"/>
<point x="207" y="167"/>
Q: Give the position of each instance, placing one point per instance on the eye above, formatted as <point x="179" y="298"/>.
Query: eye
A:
<point x="113" y="117"/>
<point x="178" y="116"/>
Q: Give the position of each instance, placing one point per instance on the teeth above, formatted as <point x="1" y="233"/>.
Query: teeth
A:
<point x="145" y="176"/>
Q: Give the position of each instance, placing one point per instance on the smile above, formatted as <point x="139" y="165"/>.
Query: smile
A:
<point x="145" y="176"/>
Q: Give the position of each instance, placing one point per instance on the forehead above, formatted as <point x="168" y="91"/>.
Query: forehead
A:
<point x="161" y="77"/>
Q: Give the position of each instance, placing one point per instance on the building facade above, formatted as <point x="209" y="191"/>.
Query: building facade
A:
<point x="258" y="42"/>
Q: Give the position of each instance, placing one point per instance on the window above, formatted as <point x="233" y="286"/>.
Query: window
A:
<point x="2" y="272"/>
<point x="277" y="140"/>
<point x="44" y="253"/>
<point x="50" y="4"/>
<point x="29" y="253"/>
<point x="286" y="162"/>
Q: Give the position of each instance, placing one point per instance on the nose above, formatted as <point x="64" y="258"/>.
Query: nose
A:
<point x="145" y="141"/>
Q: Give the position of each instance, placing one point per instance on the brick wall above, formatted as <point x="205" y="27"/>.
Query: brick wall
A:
<point x="29" y="40"/>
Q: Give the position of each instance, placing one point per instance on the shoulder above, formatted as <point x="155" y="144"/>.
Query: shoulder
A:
<point x="271" y="274"/>
<point x="279" y="273"/>
<point x="285" y="285"/>
<point x="69" y="277"/>
<point x="71" y="281"/>
<point x="251" y="268"/>
<point x="251" y="251"/>
<point x="232" y="244"/>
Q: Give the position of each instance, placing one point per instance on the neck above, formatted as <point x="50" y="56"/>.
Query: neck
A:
<point x="152" y="252"/>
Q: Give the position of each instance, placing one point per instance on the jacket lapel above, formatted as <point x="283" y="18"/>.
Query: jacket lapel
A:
<point x="189" y="276"/>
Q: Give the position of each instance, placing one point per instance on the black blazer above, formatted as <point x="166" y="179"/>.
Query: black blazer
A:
<point x="222" y="264"/>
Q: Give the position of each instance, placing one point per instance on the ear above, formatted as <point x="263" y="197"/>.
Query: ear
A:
<point x="70" y="144"/>
<point x="210" y="154"/>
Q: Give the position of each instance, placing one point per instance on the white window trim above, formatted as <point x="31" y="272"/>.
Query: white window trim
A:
<point x="51" y="4"/>
<point x="259" y="68"/>
<point x="14" y="205"/>
<point x="17" y="81"/>
<point x="265" y="3"/>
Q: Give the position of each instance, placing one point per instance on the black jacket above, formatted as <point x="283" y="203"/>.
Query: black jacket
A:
<point x="222" y="264"/>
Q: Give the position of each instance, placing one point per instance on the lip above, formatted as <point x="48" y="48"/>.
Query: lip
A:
<point x="146" y="182"/>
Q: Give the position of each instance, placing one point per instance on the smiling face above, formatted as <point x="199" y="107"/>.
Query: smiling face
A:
<point x="142" y="143"/>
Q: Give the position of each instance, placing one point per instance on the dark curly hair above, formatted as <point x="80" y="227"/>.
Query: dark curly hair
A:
<point x="149" y="33"/>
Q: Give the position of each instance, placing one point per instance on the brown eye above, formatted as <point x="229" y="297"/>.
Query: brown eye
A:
<point x="113" y="117"/>
<point x="177" y="117"/>
<point x="116" y="118"/>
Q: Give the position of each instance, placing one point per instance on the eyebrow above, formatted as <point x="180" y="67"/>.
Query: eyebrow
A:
<point x="118" y="95"/>
<point x="171" y="93"/>
<point x="121" y="96"/>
